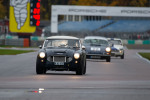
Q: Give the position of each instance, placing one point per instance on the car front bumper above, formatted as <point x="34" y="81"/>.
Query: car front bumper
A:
<point x="97" y="56"/>
<point x="62" y="66"/>
<point x="119" y="53"/>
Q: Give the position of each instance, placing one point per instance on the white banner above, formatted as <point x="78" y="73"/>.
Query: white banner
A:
<point x="95" y="11"/>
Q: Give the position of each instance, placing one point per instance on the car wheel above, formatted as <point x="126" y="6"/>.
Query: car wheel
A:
<point x="108" y="59"/>
<point x="44" y="71"/>
<point x="84" y="72"/>
<point x="122" y="57"/>
<point x="79" y="70"/>
<point x="40" y="68"/>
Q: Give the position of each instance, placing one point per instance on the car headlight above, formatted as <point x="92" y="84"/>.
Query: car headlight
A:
<point x="108" y="49"/>
<point x="76" y="55"/>
<point x="42" y="54"/>
<point x="121" y="50"/>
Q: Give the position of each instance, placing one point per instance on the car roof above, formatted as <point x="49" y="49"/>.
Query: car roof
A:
<point x="96" y="37"/>
<point x="62" y="37"/>
<point x="113" y="39"/>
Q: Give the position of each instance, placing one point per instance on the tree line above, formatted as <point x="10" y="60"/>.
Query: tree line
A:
<point x="46" y="5"/>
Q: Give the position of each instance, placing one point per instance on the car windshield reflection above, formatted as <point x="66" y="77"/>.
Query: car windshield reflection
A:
<point x="70" y="43"/>
<point x="95" y="42"/>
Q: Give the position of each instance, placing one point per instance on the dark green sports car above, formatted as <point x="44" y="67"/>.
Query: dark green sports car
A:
<point x="61" y="53"/>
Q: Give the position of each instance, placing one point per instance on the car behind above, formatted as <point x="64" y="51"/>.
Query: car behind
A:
<point x="97" y="48"/>
<point x="117" y="47"/>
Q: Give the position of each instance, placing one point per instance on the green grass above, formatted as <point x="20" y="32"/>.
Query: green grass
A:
<point x="145" y="55"/>
<point x="8" y="46"/>
<point x="13" y="52"/>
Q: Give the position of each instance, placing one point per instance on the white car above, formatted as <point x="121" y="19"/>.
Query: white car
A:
<point x="117" y="48"/>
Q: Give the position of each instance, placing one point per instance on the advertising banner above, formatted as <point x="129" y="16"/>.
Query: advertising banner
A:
<point x="20" y="16"/>
<point x="95" y="11"/>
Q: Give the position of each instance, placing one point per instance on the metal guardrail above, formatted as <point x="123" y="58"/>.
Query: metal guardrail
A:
<point x="36" y="41"/>
<point x="14" y="42"/>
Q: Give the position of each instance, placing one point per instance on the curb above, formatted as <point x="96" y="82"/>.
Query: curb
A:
<point x="142" y="57"/>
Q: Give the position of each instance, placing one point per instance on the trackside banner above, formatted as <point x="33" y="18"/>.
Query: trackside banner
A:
<point x="24" y="15"/>
<point x="95" y="11"/>
<point x="102" y="11"/>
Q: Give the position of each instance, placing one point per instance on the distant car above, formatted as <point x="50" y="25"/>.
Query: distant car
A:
<point x="61" y="53"/>
<point x="97" y="48"/>
<point x="116" y="47"/>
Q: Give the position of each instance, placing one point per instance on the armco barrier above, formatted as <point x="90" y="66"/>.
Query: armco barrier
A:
<point x="14" y="42"/>
<point x="132" y="42"/>
<point x="146" y="42"/>
<point x="26" y="43"/>
<point x="1" y="41"/>
<point x="36" y="41"/>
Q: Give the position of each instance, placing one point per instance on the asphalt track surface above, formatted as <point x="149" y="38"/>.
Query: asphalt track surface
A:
<point x="127" y="79"/>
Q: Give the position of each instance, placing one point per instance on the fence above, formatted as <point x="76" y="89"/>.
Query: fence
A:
<point x="36" y="41"/>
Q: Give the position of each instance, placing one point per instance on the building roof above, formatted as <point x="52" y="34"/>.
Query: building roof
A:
<point x="62" y="37"/>
<point x="96" y="37"/>
<point x="114" y="39"/>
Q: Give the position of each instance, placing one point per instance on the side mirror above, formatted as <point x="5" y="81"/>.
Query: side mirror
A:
<point x="40" y="46"/>
<point x="83" y="47"/>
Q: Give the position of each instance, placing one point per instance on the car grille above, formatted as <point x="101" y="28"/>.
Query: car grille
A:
<point x="59" y="59"/>
<point x="115" y="50"/>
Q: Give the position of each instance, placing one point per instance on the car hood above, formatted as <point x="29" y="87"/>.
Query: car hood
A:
<point x="60" y="52"/>
<point x="118" y="47"/>
<point x="95" y="49"/>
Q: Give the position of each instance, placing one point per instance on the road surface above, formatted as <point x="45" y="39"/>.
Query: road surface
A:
<point x="127" y="79"/>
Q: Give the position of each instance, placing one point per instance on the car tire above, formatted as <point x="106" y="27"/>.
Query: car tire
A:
<point x="84" y="72"/>
<point x="122" y="56"/>
<point x="108" y="59"/>
<point x="40" y="68"/>
<point x="79" y="70"/>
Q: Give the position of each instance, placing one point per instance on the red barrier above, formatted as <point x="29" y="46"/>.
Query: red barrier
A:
<point x="26" y="43"/>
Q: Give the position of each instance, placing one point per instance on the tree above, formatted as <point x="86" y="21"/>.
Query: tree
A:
<point x="46" y="5"/>
<point x="85" y="2"/>
<point x="2" y="10"/>
<point x="139" y="3"/>
<point x="131" y="3"/>
<point x="135" y="3"/>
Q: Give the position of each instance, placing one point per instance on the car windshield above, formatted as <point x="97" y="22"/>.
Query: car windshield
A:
<point x="116" y="42"/>
<point x="95" y="42"/>
<point x="62" y="43"/>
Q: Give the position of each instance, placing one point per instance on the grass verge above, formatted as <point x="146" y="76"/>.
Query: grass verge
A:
<point x="145" y="55"/>
<point x="13" y="52"/>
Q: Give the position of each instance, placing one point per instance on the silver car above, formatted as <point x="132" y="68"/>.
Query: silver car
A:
<point x="97" y="48"/>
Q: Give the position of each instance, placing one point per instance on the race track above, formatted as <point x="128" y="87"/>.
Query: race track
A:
<point x="127" y="79"/>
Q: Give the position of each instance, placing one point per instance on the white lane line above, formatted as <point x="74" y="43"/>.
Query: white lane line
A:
<point x="142" y="57"/>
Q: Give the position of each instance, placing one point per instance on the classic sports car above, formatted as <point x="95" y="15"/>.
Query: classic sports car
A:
<point x="117" y="47"/>
<point x="97" y="48"/>
<point x="61" y="53"/>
